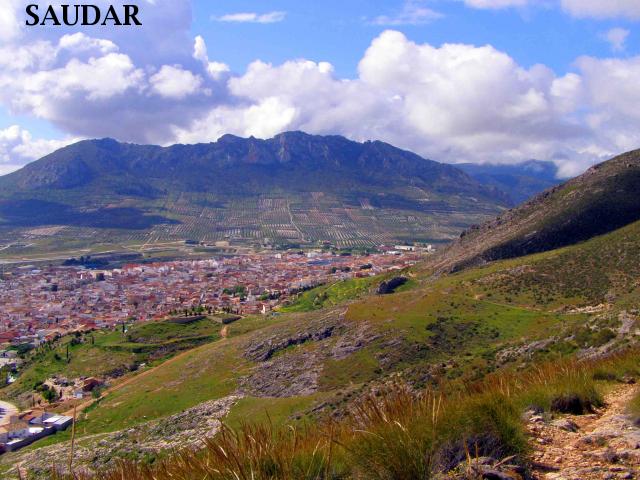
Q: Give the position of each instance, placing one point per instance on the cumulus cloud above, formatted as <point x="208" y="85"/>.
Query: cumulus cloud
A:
<point x="414" y="12"/>
<point x="95" y="86"/>
<point x="252" y="17"/>
<point x="172" y="81"/>
<point x="79" y="42"/>
<point x="17" y="147"/>
<point x="9" y="23"/>
<point x="215" y="69"/>
<point x="612" y="91"/>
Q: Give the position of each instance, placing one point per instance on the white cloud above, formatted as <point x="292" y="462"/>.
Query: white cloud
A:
<point x="602" y="8"/>
<point x="617" y="38"/>
<point x="613" y="93"/>
<point x="414" y="12"/>
<point x="9" y="20"/>
<point x="215" y="69"/>
<point x="97" y="79"/>
<point x="175" y="82"/>
<point x="79" y="42"/>
<point x="252" y="17"/>
<point x="86" y="86"/>
<point x="18" y="147"/>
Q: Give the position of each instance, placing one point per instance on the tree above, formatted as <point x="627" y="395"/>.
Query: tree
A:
<point x="50" y="395"/>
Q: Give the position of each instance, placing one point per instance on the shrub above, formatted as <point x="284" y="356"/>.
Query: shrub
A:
<point x="404" y="436"/>
<point x="571" y="403"/>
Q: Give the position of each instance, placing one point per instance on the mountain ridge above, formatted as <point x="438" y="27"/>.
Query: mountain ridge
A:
<point x="251" y="189"/>
<point x="289" y="148"/>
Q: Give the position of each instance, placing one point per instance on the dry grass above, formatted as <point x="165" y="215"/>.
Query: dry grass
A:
<point x="394" y="433"/>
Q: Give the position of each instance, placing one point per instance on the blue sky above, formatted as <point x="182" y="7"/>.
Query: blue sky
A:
<point x="454" y="80"/>
<point x="340" y="31"/>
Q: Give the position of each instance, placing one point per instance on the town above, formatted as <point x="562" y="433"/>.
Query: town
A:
<point x="43" y="304"/>
<point x="40" y="304"/>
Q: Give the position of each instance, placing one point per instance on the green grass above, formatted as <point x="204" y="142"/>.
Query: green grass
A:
<point x="331" y="295"/>
<point x="355" y="369"/>
<point x="203" y="373"/>
<point x="277" y="411"/>
<point x="102" y="352"/>
<point x="634" y="408"/>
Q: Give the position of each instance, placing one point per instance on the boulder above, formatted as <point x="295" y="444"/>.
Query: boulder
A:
<point x="565" y="424"/>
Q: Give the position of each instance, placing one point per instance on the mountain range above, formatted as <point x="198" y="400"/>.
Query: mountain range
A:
<point x="294" y="189"/>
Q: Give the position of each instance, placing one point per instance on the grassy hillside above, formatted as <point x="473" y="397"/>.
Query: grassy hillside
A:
<point x="401" y="434"/>
<point x="337" y="293"/>
<point x="323" y="355"/>
<point x="108" y="353"/>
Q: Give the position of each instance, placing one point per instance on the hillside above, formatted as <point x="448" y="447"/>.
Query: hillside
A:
<point x="601" y="200"/>
<point x="324" y="356"/>
<point x="520" y="181"/>
<point x="292" y="189"/>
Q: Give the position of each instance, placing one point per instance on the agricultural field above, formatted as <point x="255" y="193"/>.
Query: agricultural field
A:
<point x="250" y="222"/>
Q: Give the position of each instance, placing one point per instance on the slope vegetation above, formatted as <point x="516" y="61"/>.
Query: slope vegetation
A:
<point x="603" y="199"/>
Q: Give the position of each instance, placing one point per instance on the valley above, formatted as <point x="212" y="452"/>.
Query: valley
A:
<point x="374" y="342"/>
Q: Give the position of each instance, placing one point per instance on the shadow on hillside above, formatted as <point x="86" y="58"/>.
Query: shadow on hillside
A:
<point x="34" y="213"/>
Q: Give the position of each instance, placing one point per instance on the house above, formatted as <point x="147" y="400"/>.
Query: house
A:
<point x="405" y="248"/>
<point x="51" y="420"/>
<point x="20" y="433"/>
<point x="91" y="383"/>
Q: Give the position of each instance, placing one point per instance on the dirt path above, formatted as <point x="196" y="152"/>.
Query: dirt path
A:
<point x="604" y="445"/>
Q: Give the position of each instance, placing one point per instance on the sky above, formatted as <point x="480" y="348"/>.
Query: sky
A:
<point x="499" y="81"/>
